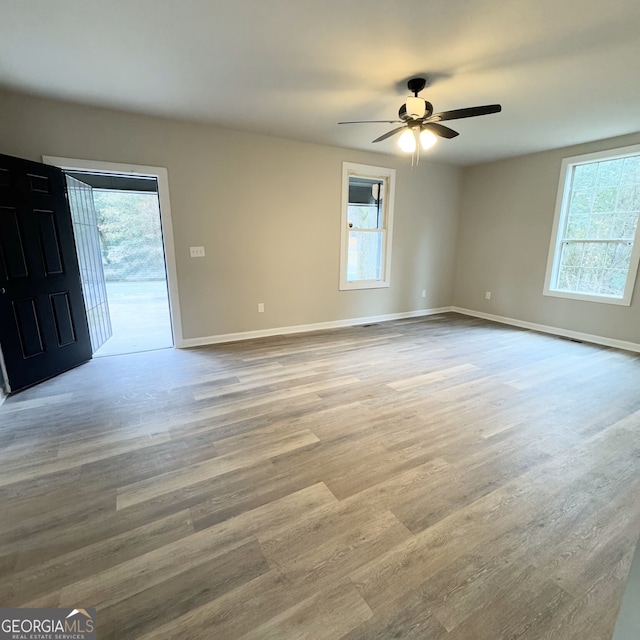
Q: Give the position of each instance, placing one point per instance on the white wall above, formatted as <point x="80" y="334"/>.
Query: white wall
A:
<point x="266" y="209"/>
<point x="507" y="211"/>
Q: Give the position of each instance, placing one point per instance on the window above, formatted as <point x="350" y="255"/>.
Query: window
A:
<point x="594" y="247"/>
<point x="367" y="216"/>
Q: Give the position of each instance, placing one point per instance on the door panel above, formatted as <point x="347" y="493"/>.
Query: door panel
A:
<point x="43" y="326"/>
<point x="61" y="307"/>
<point x="13" y="257"/>
<point x="49" y="243"/>
<point x="31" y="338"/>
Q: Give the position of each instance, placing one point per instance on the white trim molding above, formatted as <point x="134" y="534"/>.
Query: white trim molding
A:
<point x="162" y="176"/>
<point x="304" y="328"/>
<point x="556" y="331"/>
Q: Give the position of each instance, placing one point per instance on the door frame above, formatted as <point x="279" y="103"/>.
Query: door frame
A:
<point x="162" y="176"/>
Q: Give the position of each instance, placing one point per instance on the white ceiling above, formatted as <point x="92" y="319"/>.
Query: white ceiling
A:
<point x="565" y="71"/>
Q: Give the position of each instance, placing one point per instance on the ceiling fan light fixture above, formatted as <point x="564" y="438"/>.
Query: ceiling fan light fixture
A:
<point x="407" y="141"/>
<point x="427" y="139"/>
<point x="416" y="107"/>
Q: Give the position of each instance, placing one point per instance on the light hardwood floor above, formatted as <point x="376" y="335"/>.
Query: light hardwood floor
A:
<point x="438" y="478"/>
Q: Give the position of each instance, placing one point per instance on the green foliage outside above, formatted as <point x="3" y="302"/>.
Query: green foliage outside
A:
<point x="130" y="235"/>
<point x="601" y="225"/>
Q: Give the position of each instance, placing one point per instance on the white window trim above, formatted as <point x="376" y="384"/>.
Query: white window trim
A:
<point x="367" y="171"/>
<point x="562" y="201"/>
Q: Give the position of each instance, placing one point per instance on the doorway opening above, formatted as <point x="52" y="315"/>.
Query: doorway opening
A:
<point x="124" y="243"/>
<point x="129" y="313"/>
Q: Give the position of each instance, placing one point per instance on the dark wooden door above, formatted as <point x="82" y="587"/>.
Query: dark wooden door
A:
<point x="43" y="325"/>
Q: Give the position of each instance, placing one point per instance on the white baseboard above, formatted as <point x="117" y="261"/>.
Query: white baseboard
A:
<point x="303" y="328"/>
<point x="543" y="328"/>
<point x="350" y="322"/>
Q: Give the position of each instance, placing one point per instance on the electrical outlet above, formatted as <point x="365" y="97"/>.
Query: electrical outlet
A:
<point x="196" y="252"/>
<point x="424" y="293"/>
<point x="260" y="307"/>
<point x="487" y="295"/>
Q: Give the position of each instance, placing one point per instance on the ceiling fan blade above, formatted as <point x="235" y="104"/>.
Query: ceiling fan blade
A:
<point x="440" y="130"/>
<point x="384" y="136"/>
<point x="368" y="121"/>
<point x="469" y="112"/>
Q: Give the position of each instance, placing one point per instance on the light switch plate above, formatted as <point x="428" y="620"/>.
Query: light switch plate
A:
<point x="197" y="252"/>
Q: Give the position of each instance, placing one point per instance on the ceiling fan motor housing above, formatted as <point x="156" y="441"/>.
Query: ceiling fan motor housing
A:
<point x="415" y="107"/>
<point x="426" y="110"/>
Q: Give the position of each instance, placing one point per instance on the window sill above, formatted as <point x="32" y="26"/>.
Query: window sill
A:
<point x="363" y="284"/>
<point x="584" y="297"/>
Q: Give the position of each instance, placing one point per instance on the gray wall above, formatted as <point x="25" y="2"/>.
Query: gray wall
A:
<point x="507" y="211"/>
<point x="266" y="209"/>
<point x="268" y="212"/>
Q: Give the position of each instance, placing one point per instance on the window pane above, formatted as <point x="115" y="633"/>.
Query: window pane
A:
<point x="363" y="216"/>
<point x="604" y="200"/>
<point x="366" y="207"/>
<point x="584" y="175"/>
<point x="581" y="202"/>
<point x="364" y="261"/>
<point x="630" y="223"/>
<point x="627" y="198"/>
<point x="609" y="172"/>
<point x="577" y="227"/>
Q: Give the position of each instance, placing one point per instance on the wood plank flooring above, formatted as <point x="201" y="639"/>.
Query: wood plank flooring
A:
<point x="436" y="478"/>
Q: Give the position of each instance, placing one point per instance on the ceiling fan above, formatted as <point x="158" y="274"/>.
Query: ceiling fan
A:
<point x="419" y="123"/>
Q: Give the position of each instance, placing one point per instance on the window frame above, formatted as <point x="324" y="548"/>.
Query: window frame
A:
<point x="388" y="176"/>
<point x="559" y="226"/>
